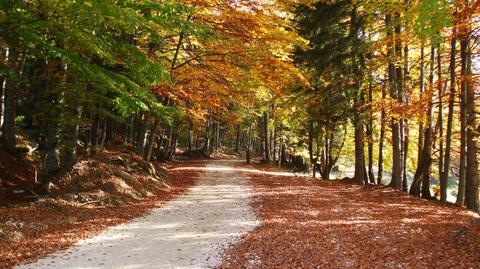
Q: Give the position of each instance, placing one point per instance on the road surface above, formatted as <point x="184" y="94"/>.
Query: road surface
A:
<point x="191" y="231"/>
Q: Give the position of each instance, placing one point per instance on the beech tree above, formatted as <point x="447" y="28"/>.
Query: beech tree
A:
<point x="386" y="89"/>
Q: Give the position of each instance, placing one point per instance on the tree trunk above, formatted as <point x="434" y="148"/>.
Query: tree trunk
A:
<point x="360" y="169"/>
<point x="8" y="139"/>
<point x="313" y="160"/>
<point x="382" y="139"/>
<point x="217" y="136"/>
<point x="169" y="143"/>
<point x="3" y="81"/>
<point x="283" y="155"/>
<point x="471" y="186"/>
<point x="142" y="134"/>
<point x="275" y="141"/>
<point x="405" y="122"/>
<point x="70" y="154"/>
<point x="151" y="139"/>
<point x="396" y="181"/>
<point x="428" y="144"/>
<point x="266" y="137"/>
<point x="421" y="126"/>
<point x="131" y="129"/>
<point x="103" y="136"/>
<point x="161" y="144"/>
<point x="440" y="116"/>
<point x="190" y="139"/>
<point x="212" y="137"/>
<point x="94" y="130"/>
<point x="237" y="140"/>
<point x="55" y="87"/>
<point x="423" y="173"/>
<point x="371" y="176"/>
<point x="462" y="169"/>
<point x="206" y="145"/>
<point x="249" y="144"/>
<point x="451" y="107"/>
<point x="109" y="131"/>
<point x="280" y="146"/>
<point x="405" y="156"/>
<point x="173" y="146"/>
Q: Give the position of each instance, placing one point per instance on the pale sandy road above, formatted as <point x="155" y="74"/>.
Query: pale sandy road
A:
<point x="191" y="231"/>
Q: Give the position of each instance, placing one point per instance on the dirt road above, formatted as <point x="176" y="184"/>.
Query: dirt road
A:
<point x="191" y="231"/>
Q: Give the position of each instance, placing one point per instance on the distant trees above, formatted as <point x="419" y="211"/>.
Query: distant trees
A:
<point x="287" y="80"/>
<point x="69" y="64"/>
<point x="79" y="75"/>
<point x="401" y="46"/>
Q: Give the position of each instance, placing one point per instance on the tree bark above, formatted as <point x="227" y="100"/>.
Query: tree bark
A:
<point x="56" y="73"/>
<point x="421" y="126"/>
<point x="169" y="143"/>
<point x="406" y="142"/>
<point x="281" y="151"/>
<point x="190" y="139"/>
<point x="130" y="130"/>
<point x="8" y="139"/>
<point x="103" y="136"/>
<point x="151" y="139"/>
<point x="142" y="134"/>
<point x="371" y="176"/>
<point x="206" y="145"/>
<point x="462" y="169"/>
<point x="275" y="142"/>
<point x="451" y="107"/>
<point x="382" y="139"/>
<point x="237" y="139"/>
<point x="440" y="118"/>
<point x="266" y="137"/>
<point x="94" y="130"/>
<point x="173" y="145"/>
<point x="428" y="144"/>
<point x="249" y="145"/>
<point x="396" y="181"/>
<point x="405" y="121"/>
<point x="3" y="80"/>
<point x="471" y="186"/>
<point x="422" y="177"/>
<point x="70" y="154"/>
<point x="217" y="136"/>
<point x="360" y="169"/>
<point x="313" y="160"/>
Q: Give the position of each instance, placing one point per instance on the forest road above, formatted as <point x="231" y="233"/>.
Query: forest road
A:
<point x="191" y="231"/>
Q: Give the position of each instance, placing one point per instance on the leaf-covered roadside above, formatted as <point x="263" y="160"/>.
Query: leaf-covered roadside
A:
<point x="50" y="225"/>
<point x="325" y="224"/>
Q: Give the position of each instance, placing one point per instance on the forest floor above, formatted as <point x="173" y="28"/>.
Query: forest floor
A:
<point x="308" y="223"/>
<point x="229" y="215"/>
<point x="103" y="190"/>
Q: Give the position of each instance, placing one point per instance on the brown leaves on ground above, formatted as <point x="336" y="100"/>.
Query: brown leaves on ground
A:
<point x="324" y="224"/>
<point x="52" y="225"/>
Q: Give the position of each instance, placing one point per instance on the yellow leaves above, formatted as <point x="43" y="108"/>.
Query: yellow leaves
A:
<point x="249" y="51"/>
<point x="416" y="108"/>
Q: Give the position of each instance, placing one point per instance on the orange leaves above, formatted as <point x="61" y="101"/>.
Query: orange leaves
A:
<point x="325" y="224"/>
<point x="49" y="227"/>
<point x="249" y="41"/>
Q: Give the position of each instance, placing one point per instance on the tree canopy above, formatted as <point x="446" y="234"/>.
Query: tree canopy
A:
<point x="384" y="92"/>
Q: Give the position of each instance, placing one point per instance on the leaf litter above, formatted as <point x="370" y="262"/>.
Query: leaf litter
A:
<point x="308" y="223"/>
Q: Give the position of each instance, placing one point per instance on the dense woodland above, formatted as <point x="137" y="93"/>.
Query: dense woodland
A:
<point x="388" y="88"/>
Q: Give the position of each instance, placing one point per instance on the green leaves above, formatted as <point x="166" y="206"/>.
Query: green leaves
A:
<point x="109" y="45"/>
<point x="433" y="17"/>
